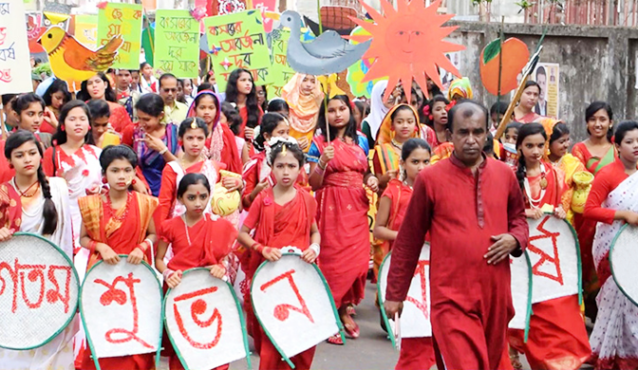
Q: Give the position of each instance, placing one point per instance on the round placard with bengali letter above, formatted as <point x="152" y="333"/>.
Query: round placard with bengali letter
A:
<point x="624" y="259"/>
<point x="121" y="307"/>
<point x="204" y="321"/>
<point x="293" y="304"/>
<point x="38" y="291"/>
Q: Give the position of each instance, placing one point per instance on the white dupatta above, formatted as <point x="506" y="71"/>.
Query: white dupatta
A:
<point x="615" y="335"/>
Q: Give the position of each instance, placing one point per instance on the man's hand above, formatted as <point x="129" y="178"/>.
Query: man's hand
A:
<point x="392" y="308"/>
<point x="504" y="244"/>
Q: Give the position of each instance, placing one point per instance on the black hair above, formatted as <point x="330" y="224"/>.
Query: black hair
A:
<point x="49" y="212"/>
<point x="411" y="144"/>
<point x="277" y="105"/>
<point x="499" y="107"/>
<point x="192" y="179"/>
<point x="252" y="107"/>
<point x="180" y="83"/>
<point x="363" y="107"/>
<point x="513" y="125"/>
<point x="430" y="104"/>
<point x="7" y="98"/>
<point x="269" y="123"/>
<point x="188" y="123"/>
<point x="488" y="146"/>
<point x="528" y="129"/>
<point x="531" y="83"/>
<point x="143" y="64"/>
<point x="201" y="96"/>
<point x="276" y="149"/>
<point x="622" y="130"/>
<point x="264" y="106"/>
<point x="467" y="112"/>
<point x="113" y="152"/>
<point x="233" y="119"/>
<point x="595" y="107"/>
<point x="560" y="129"/>
<point x="99" y="109"/>
<point x="164" y="77"/>
<point x="151" y="104"/>
<point x="205" y="86"/>
<point x="109" y="93"/>
<point x="59" y="137"/>
<point x="23" y="102"/>
<point x="541" y="71"/>
<point x="351" y="127"/>
<point x="402" y="107"/>
<point x="57" y="85"/>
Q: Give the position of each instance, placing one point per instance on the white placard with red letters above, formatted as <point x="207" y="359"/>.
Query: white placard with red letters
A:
<point x="121" y="307"/>
<point x="521" y="286"/>
<point x="204" y="321"/>
<point x="293" y="304"/>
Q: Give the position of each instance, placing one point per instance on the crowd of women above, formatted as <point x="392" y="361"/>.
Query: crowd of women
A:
<point x="131" y="170"/>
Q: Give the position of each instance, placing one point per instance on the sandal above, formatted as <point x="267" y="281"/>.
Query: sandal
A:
<point x="351" y="311"/>
<point x="515" y="361"/>
<point x="335" y="339"/>
<point x="352" y="332"/>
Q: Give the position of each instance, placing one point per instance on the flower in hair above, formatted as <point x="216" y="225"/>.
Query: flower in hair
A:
<point x="273" y="142"/>
<point x="426" y="110"/>
<point x="450" y="106"/>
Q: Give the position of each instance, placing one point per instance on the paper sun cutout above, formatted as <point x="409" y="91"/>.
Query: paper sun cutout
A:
<point x="408" y="44"/>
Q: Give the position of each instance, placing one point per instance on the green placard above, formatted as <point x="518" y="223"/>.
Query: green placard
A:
<point x="126" y="20"/>
<point x="238" y="40"/>
<point x="176" y="43"/>
<point x="280" y="70"/>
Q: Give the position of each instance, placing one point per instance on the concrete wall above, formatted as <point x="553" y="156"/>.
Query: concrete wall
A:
<point x="596" y="63"/>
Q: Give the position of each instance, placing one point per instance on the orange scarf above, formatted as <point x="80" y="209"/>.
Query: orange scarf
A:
<point x="303" y="108"/>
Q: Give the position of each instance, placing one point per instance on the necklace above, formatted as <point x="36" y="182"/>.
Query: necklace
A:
<point x="113" y="212"/>
<point x="25" y="194"/>
<point x="528" y="190"/>
<point x="396" y="145"/>
<point x="188" y="235"/>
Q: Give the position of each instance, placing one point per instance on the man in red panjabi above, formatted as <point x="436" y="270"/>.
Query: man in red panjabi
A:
<point x="473" y="209"/>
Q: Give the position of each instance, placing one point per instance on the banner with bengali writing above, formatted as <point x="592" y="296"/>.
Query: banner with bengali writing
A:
<point x="238" y="41"/>
<point x="14" y="49"/>
<point x="176" y="43"/>
<point x="126" y="20"/>
<point x="86" y="30"/>
<point x="281" y="71"/>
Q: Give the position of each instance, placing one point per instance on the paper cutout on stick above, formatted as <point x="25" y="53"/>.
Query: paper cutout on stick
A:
<point x="126" y="20"/>
<point x="15" y="76"/>
<point x="513" y="55"/>
<point x="327" y="54"/>
<point x="73" y="62"/>
<point x="408" y="44"/>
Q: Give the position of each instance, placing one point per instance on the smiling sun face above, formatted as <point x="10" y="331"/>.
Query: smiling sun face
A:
<point x="407" y="44"/>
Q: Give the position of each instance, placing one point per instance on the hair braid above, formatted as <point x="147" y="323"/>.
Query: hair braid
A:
<point x="49" y="212"/>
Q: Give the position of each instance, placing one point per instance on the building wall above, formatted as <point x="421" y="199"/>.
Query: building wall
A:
<point x="596" y="63"/>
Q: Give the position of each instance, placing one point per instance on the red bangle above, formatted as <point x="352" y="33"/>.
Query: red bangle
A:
<point x="143" y="246"/>
<point x="258" y="247"/>
<point x="92" y="246"/>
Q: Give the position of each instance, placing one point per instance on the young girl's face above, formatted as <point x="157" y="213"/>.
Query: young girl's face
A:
<point x="57" y="99"/>
<point x="147" y="70"/>
<point x="628" y="148"/>
<point x="26" y="159"/>
<point x="308" y="84"/>
<point x="244" y="83"/>
<point x="76" y="124"/>
<point x="404" y="125"/>
<point x="96" y="87"/>
<point x="560" y="147"/>
<point x="532" y="148"/>
<point x="599" y="124"/>
<point x="31" y="118"/>
<point x="282" y="130"/>
<point x="195" y="199"/>
<point x="188" y="87"/>
<point x="530" y="97"/>
<point x="510" y="136"/>
<point x="120" y="174"/>
<point x="418" y="160"/>
<point x="286" y="169"/>
<point x="194" y="141"/>
<point x="206" y="109"/>
<point x="99" y="125"/>
<point x="439" y="113"/>
<point x="147" y="122"/>
<point x="338" y="113"/>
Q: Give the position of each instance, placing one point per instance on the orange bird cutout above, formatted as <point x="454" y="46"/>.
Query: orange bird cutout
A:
<point x="73" y="62"/>
<point x="407" y="44"/>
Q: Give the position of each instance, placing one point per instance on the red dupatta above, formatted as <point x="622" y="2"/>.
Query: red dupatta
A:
<point x="553" y="192"/>
<point x="10" y="208"/>
<point x="121" y="236"/>
<point x="347" y="167"/>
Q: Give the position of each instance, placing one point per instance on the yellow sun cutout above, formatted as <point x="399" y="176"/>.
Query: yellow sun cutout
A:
<point x="407" y="44"/>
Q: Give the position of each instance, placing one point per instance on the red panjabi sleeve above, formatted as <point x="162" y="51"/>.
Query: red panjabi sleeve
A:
<point x="407" y="246"/>
<point x="600" y="189"/>
<point x="516" y="220"/>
